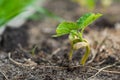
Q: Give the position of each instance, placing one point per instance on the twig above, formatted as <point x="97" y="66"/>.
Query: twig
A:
<point x="20" y="64"/>
<point x="99" y="70"/>
<point x="4" y="75"/>
<point x="107" y="71"/>
<point x="103" y="69"/>
<point x="56" y="51"/>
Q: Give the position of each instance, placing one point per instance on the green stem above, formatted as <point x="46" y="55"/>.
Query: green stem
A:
<point x="80" y="36"/>
<point x="71" y="51"/>
<point x="86" y="55"/>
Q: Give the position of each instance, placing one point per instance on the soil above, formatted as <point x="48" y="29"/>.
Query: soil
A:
<point x="30" y="53"/>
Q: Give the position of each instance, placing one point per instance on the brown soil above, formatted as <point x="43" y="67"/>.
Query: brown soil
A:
<point x="50" y="58"/>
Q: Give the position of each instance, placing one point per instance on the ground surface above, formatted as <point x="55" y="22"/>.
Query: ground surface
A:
<point x="50" y="58"/>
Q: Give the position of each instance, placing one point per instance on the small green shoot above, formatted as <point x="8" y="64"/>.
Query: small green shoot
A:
<point x="75" y="31"/>
<point x="33" y="50"/>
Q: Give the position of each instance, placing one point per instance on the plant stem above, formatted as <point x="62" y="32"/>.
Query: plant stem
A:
<point x="86" y="55"/>
<point x="71" y="51"/>
<point x="80" y="36"/>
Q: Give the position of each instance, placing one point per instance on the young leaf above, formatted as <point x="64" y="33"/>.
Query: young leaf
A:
<point x="65" y="28"/>
<point x="87" y="19"/>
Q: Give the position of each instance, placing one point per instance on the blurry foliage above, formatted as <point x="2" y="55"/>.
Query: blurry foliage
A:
<point x="43" y="11"/>
<point x="106" y="3"/>
<point x="11" y="8"/>
<point x="91" y="4"/>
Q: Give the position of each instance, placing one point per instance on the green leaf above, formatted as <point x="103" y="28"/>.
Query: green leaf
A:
<point x="11" y="8"/>
<point x="87" y="19"/>
<point x="65" y="28"/>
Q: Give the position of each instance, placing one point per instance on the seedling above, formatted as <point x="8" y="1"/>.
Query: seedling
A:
<point x="75" y="31"/>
